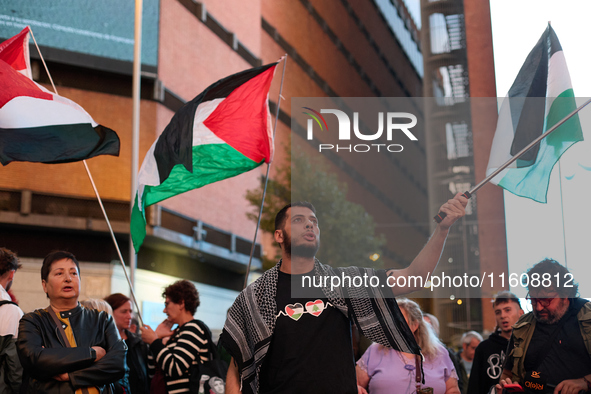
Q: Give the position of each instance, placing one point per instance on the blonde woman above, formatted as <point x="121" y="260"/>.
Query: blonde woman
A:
<point x="99" y="305"/>
<point x="381" y="369"/>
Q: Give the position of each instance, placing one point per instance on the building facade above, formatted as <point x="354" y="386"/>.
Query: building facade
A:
<point x="347" y="48"/>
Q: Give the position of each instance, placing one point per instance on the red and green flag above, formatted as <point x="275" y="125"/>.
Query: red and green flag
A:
<point x="223" y="132"/>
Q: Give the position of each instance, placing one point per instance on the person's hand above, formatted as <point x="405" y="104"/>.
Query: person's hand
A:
<point x="148" y="335"/>
<point x="100" y="352"/>
<point x="502" y="384"/>
<point x="164" y="329"/>
<point x="361" y="390"/>
<point x="64" y="377"/>
<point x="454" y="209"/>
<point x="571" y="386"/>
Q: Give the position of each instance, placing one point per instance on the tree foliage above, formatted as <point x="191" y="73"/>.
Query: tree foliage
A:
<point x="347" y="231"/>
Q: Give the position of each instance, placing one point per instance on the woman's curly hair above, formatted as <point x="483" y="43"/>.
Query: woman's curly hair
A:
<point x="183" y="290"/>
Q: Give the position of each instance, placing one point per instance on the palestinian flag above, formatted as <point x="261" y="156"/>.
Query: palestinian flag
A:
<point x="39" y="126"/>
<point x="540" y="97"/>
<point x="221" y="133"/>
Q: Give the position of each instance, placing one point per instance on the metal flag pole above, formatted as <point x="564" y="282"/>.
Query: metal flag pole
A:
<point x="441" y="215"/>
<point x="284" y="58"/>
<point x="96" y="193"/>
<point x="135" y="134"/>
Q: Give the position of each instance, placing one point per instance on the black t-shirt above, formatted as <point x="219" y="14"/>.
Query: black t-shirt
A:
<point x="567" y="358"/>
<point x="311" y="350"/>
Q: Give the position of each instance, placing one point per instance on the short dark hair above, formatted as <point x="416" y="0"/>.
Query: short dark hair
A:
<point x="183" y="290"/>
<point x="8" y="261"/>
<point x="506" y="296"/>
<point x="281" y="215"/>
<point x="559" y="276"/>
<point x="56" y="256"/>
<point x="116" y="300"/>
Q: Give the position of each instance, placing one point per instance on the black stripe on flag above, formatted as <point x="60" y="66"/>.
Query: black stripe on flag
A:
<point x="175" y="144"/>
<point x="526" y="103"/>
<point x="57" y="143"/>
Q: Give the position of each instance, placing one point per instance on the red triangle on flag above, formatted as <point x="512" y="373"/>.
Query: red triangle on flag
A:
<point x="13" y="84"/>
<point x="15" y="52"/>
<point x="242" y="118"/>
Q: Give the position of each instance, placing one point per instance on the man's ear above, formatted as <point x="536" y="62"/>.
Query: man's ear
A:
<point x="278" y="235"/>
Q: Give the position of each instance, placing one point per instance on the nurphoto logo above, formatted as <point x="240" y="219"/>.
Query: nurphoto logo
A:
<point x="396" y="122"/>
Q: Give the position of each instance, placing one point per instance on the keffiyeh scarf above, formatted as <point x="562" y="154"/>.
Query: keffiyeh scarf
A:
<point x="251" y="319"/>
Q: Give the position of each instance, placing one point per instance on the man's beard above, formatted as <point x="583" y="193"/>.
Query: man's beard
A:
<point x="306" y="251"/>
<point x="552" y="317"/>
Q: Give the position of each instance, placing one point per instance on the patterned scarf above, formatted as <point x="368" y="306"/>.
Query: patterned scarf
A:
<point x="251" y="319"/>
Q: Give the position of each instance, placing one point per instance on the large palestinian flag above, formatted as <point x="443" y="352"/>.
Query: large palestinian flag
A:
<point x="540" y="97"/>
<point x="221" y="133"/>
<point x="39" y="126"/>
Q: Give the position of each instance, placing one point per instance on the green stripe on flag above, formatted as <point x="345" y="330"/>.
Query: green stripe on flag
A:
<point x="211" y="163"/>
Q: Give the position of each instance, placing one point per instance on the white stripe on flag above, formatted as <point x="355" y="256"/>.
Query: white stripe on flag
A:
<point x="558" y="78"/>
<point x="26" y="111"/>
<point x="201" y="134"/>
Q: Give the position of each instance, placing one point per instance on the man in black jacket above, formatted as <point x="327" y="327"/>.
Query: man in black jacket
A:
<point x="490" y="354"/>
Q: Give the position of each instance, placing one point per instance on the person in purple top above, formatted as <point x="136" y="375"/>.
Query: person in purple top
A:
<point x="380" y="368"/>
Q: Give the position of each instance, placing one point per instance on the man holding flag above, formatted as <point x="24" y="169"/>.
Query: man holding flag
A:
<point x="285" y="337"/>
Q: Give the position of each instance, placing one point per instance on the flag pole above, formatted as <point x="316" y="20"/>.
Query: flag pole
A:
<point x="115" y="242"/>
<point x="95" y="192"/>
<point x="135" y="134"/>
<point x="284" y="58"/>
<point x="441" y="215"/>
<point x="562" y="214"/>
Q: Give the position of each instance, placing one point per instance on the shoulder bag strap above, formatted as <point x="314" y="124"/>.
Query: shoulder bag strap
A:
<point x="211" y="349"/>
<point x="59" y="325"/>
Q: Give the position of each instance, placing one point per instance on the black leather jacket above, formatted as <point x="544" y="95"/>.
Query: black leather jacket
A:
<point x="137" y="361"/>
<point x="44" y="355"/>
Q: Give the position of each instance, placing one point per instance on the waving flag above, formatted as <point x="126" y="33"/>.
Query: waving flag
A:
<point x="540" y="97"/>
<point x="39" y="126"/>
<point x="221" y="133"/>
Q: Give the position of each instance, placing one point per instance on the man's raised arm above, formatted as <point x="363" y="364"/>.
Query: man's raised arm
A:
<point x="428" y="257"/>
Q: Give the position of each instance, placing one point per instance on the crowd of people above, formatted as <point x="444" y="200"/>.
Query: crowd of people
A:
<point x="283" y="338"/>
<point x="90" y="346"/>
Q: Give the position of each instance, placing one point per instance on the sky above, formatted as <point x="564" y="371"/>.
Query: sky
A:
<point x="559" y="231"/>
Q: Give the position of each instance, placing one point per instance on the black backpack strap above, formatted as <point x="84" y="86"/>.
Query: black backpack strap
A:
<point x="4" y="302"/>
